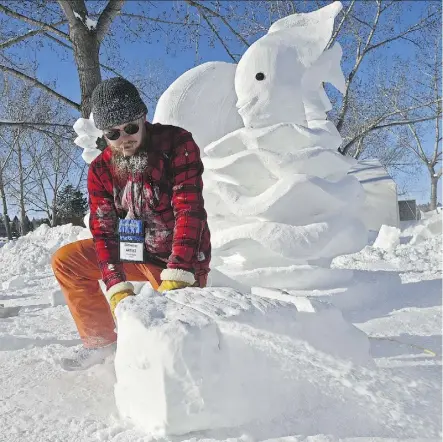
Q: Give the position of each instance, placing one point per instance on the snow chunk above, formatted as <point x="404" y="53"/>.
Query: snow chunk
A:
<point x="8" y="312"/>
<point x="87" y="137"/>
<point x="16" y="282"/>
<point x="56" y="298"/>
<point x="388" y="238"/>
<point x="213" y="348"/>
<point x="427" y="229"/>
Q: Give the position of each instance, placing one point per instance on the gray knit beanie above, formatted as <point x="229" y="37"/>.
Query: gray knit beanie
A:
<point x="116" y="101"/>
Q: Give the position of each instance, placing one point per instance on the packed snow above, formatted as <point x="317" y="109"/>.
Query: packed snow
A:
<point x="394" y="301"/>
<point x="200" y="367"/>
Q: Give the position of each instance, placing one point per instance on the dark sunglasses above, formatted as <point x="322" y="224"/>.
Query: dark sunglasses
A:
<point x="129" y="129"/>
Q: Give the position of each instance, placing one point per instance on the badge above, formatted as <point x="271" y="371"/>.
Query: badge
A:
<point x="131" y="240"/>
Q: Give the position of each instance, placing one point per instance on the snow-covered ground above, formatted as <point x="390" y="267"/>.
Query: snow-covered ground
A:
<point x="395" y="299"/>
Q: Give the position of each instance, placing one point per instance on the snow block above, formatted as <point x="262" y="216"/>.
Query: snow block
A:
<point x="199" y="359"/>
<point x="8" y="312"/>
<point x="388" y="238"/>
<point x="56" y="298"/>
<point x="16" y="282"/>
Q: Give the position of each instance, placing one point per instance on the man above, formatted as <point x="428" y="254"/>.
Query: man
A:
<point x="150" y="174"/>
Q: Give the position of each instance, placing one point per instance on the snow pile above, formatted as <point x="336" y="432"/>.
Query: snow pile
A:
<point x="38" y="247"/>
<point x="394" y="251"/>
<point x="430" y="227"/>
<point x="202" y="365"/>
<point x="280" y="203"/>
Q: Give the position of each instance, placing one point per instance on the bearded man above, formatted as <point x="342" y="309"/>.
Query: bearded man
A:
<point x="147" y="219"/>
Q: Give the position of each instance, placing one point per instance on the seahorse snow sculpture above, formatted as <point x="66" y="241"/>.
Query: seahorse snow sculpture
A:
<point x="280" y="203"/>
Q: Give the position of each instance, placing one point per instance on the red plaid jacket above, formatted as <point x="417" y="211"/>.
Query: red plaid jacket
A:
<point x="167" y="195"/>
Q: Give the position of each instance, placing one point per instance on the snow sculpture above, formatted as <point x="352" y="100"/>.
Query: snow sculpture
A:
<point x="280" y="203"/>
<point x="87" y="138"/>
<point x="212" y="359"/>
<point x="195" y="90"/>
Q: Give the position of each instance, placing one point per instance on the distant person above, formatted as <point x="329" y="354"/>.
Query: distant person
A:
<point x="150" y="174"/>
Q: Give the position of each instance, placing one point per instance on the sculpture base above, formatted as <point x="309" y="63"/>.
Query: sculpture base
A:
<point x="295" y="277"/>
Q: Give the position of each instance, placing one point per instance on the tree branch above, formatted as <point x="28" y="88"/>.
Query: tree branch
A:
<point x="342" y="22"/>
<point x="219" y="37"/>
<point x="344" y="150"/>
<point x="112" y="9"/>
<point x="41" y="86"/>
<point x="223" y="19"/>
<point x="30" y="123"/>
<point x="62" y="43"/>
<point x="158" y="20"/>
<point x="68" y="11"/>
<point x="40" y="24"/>
<point x="416" y="27"/>
<point x="29" y="34"/>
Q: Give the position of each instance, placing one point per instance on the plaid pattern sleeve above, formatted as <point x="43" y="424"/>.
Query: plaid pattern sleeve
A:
<point x="187" y="202"/>
<point x="103" y="222"/>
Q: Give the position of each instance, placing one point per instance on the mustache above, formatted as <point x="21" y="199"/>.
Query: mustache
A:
<point x="126" y="166"/>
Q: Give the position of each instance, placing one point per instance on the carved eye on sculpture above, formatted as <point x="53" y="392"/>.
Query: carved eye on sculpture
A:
<point x="260" y="76"/>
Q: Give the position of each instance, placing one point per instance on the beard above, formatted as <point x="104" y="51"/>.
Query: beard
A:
<point x="124" y="166"/>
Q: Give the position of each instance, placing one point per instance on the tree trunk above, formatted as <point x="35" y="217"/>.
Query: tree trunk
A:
<point x="53" y="217"/>
<point x="86" y="47"/>
<point x="86" y="52"/>
<point x="23" y="224"/>
<point x="5" y="211"/>
<point x="434" y="184"/>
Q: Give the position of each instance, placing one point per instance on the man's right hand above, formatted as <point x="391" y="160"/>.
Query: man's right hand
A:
<point x="117" y="297"/>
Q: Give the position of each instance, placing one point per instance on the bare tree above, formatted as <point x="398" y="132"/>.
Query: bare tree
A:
<point x="5" y="154"/>
<point x="12" y="141"/>
<point x="40" y="160"/>
<point x="52" y="171"/>
<point x="55" y="164"/>
<point x="417" y="138"/>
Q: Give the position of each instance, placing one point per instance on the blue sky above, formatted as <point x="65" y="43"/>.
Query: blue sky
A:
<point x="63" y="70"/>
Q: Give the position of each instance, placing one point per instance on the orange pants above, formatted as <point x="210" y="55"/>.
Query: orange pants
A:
<point x="76" y="270"/>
